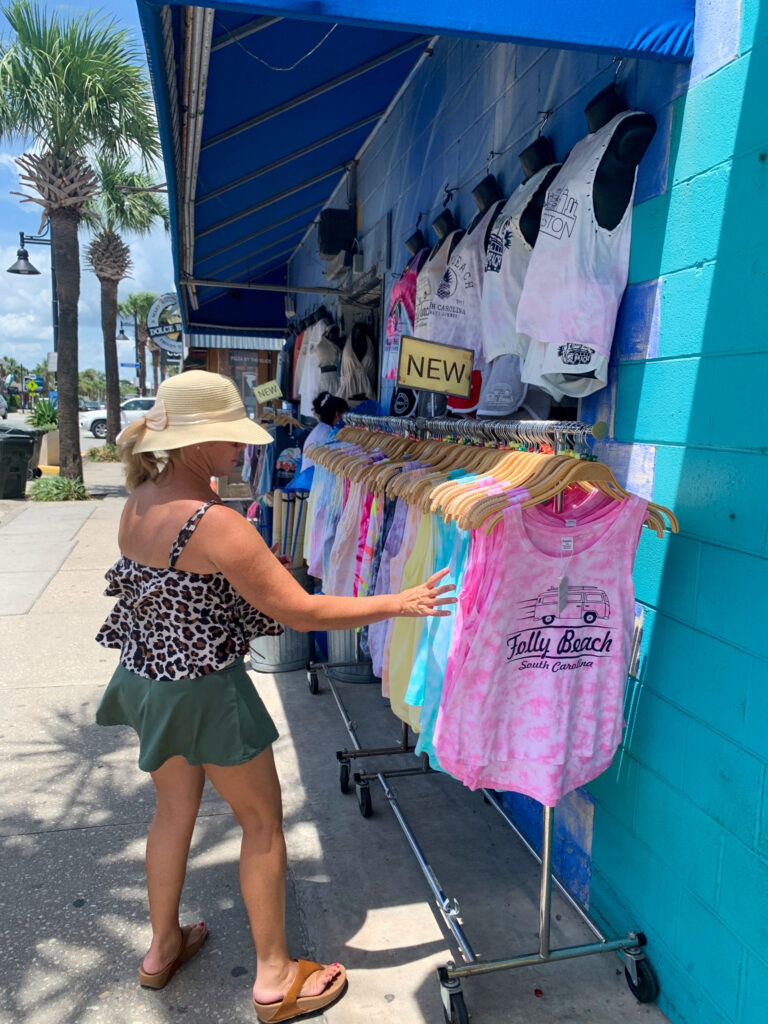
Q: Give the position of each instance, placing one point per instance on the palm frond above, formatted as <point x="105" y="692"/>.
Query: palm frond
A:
<point x="118" y="209"/>
<point x="75" y="85"/>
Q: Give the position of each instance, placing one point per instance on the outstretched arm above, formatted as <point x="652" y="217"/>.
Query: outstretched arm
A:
<point x="236" y="549"/>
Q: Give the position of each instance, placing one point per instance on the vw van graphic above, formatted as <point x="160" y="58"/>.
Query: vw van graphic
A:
<point x="586" y="603"/>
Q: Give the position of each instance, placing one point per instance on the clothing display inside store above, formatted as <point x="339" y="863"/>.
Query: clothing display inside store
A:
<point x="321" y="364"/>
<point x="358" y="373"/>
<point x="521" y="687"/>
<point x="278" y="510"/>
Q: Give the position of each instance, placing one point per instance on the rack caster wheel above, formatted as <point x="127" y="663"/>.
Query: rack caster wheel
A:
<point x="647" y="988"/>
<point x="363" y="793"/>
<point x="458" y="1012"/>
<point x="344" y="776"/>
<point x="312" y="681"/>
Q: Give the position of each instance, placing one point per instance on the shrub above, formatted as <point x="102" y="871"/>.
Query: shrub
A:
<point x="45" y="414"/>
<point x="106" y="453"/>
<point x="57" y="488"/>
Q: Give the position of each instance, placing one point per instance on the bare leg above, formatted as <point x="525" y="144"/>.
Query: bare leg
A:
<point x="178" y="787"/>
<point x="252" y="790"/>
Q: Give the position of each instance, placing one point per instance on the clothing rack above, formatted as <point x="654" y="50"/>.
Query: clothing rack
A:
<point x="496" y="432"/>
<point x="639" y="975"/>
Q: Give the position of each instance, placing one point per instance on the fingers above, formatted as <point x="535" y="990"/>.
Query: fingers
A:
<point x="437" y="577"/>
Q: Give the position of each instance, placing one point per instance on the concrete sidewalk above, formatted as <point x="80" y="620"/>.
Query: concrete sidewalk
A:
<point x="75" y="811"/>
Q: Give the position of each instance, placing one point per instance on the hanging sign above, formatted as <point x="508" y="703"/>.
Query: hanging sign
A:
<point x="164" y="323"/>
<point x="431" y="367"/>
<point x="267" y="392"/>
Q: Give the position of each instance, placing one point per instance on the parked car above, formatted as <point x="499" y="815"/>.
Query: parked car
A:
<point x="96" y="419"/>
<point x="3" y="408"/>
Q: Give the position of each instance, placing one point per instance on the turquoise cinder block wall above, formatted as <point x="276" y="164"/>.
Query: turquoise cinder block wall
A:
<point x="680" y="837"/>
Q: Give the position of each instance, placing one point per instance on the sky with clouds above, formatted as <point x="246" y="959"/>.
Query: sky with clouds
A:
<point x="25" y="302"/>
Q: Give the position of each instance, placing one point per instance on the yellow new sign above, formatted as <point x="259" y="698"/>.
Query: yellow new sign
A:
<point x="430" y="367"/>
<point x="267" y="392"/>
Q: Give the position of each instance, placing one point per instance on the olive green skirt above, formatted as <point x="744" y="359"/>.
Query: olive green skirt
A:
<point x="214" y="719"/>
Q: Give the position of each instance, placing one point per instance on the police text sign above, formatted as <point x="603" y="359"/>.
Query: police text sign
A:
<point x="431" y="367"/>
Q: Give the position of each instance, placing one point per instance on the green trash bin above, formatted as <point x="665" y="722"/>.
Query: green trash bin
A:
<point x="37" y="434"/>
<point x="16" y="453"/>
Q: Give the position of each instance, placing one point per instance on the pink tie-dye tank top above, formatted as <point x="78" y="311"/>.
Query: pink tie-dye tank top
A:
<point x="536" y="704"/>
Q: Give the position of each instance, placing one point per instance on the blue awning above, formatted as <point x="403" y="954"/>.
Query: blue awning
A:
<point x="263" y="107"/>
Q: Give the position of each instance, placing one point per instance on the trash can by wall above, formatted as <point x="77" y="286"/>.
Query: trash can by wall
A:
<point x="287" y="652"/>
<point x="37" y="434"/>
<point x="344" y="646"/>
<point x="16" y="453"/>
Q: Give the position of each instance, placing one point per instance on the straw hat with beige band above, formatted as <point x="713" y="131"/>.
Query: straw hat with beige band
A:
<point x="191" y="408"/>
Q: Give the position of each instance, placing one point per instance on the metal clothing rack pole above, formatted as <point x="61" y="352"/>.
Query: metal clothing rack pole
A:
<point x="497" y="432"/>
<point x="639" y="975"/>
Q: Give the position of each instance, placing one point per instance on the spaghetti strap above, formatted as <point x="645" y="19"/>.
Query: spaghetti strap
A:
<point x="186" y="532"/>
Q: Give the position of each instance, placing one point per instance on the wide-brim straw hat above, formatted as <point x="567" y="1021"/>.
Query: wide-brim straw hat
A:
<point x="191" y="408"/>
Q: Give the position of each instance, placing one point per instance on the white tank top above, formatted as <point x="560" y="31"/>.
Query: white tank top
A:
<point x="578" y="270"/>
<point x="427" y="285"/>
<point x="454" y="317"/>
<point x="561" y="370"/>
<point x="506" y="262"/>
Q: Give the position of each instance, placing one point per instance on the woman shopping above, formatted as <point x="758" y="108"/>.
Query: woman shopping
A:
<point x="329" y="410"/>
<point x="194" y="585"/>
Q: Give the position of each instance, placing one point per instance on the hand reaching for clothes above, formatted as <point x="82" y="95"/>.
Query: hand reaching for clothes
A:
<point x="428" y="598"/>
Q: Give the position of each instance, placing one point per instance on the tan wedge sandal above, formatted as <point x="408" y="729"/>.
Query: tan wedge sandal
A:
<point x="293" y="1005"/>
<point x="159" y="979"/>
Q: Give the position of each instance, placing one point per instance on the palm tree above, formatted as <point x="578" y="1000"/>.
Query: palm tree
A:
<point x="125" y="202"/>
<point x="72" y="88"/>
<point x="136" y="306"/>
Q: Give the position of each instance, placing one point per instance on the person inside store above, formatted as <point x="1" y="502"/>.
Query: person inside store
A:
<point x="194" y="584"/>
<point x="329" y="411"/>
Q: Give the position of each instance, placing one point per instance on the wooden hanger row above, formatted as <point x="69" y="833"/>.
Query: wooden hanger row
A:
<point x="468" y="484"/>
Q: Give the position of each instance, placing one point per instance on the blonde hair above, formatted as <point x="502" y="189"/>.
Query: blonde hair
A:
<point x="142" y="466"/>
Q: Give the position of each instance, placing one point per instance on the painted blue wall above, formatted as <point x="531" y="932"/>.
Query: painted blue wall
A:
<point x="679" y="844"/>
<point x="681" y="838"/>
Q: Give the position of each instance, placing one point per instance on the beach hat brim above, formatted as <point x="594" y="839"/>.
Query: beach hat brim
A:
<point x="242" y="430"/>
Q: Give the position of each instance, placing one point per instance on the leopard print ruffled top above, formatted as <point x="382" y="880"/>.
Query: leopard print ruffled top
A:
<point x="170" y="624"/>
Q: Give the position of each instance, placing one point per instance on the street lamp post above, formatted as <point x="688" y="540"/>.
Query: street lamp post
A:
<point x="24" y="267"/>
<point x="122" y="336"/>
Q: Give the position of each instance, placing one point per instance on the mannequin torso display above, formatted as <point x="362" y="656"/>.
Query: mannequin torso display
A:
<point x="535" y="157"/>
<point x="615" y="177"/>
<point x="428" y="281"/>
<point x="402" y="303"/>
<point x="416" y="242"/>
<point x="508" y="255"/>
<point x="454" y="317"/>
<point x="579" y="266"/>
<point x="357" y="377"/>
<point x="447" y="231"/>
<point x="320" y="364"/>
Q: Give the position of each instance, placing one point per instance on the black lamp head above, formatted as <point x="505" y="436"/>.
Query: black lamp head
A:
<point x="22" y="264"/>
